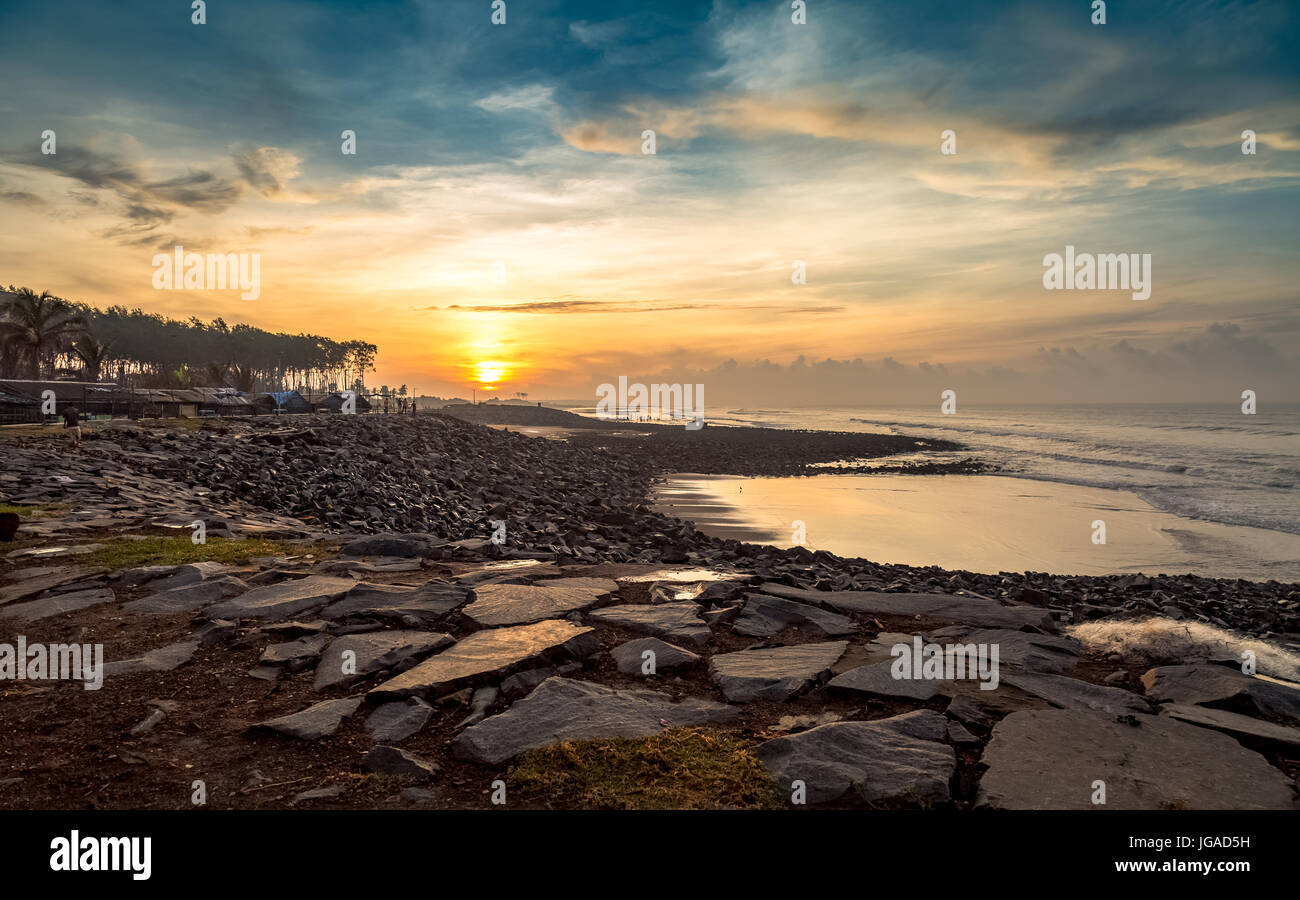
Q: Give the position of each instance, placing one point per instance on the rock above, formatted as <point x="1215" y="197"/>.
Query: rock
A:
<point x="425" y="604"/>
<point x="794" y="724"/>
<point x="419" y="796"/>
<point x="958" y="734"/>
<point x="562" y="709"/>
<point x="1049" y="759"/>
<point x="1233" y="723"/>
<point x="396" y="761"/>
<point x="479" y="702"/>
<point x="891" y="761"/>
<point x="189" y="597"/>
<point x="1017" y="649"/>
<point x="57" y="604"/>
<point x="764" y="616"/>
<point x="628" y="656"/>
<point x="279" y="601"/>
<point x="968" y="711"/>
<point x="672" y="621"/>
<point x="216" y="631"/>
<point x="296" y="655"/>
<point x="519" y="604"/>
<point x="941" y="607"/>
<point x="321" y="793"/>
<point x="316" y="721"/>
<point x="176" y="576"/>
<point x="376" y="651"/>
<point x="150" y="722"/>
<point x="404" y="545"/>
<point x="523" y="682"/>
<point x="490" y="652"/>
<point x="1203" y="684"/>
<point x="30" y="587"/>
<point x="878" y="679"/>
<point x="164" y="659"/>
<point x="778" y="673"/>
<point x="1071" y="693"/>
<point x="397" y="721"/>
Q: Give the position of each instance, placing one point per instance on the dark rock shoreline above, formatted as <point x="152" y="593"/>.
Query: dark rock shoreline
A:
<point x="585" y="500"/>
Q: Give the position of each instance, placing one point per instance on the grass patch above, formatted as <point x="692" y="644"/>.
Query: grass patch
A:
<point x="678" y="769"/>
<point x="35" y="510"/>
<point x="173" y="551"/>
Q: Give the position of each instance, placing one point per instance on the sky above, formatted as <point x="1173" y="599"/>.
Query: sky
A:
<point x="501" y="229"/>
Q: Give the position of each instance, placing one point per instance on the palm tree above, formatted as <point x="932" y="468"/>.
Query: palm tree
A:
<point x="92" y="354"/>
<point x="35" y="328"/>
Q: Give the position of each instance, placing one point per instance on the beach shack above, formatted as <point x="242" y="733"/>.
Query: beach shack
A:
<point x="279" y="402"/>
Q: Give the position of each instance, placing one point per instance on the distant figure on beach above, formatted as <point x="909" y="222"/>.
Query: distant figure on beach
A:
<point x="412" y="406"/>
<point x="72" y="422"/>
<point x="385" y="404"/>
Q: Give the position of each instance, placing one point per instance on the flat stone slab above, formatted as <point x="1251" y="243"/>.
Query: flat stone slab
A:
<point x="520" y="604"/>
<point x="375" y="651"/>
<point x="495" y="651"/>
<point x="942" y="607"/>
<point x="423" y="605"/>
<point x="1071" y="693"/>
<point x="630" y="658"/>
<point x="278" y="601"/>
<point x="671" y="621"/>
<point x="189" y="597"/>
<point x="397" y="721"/>
<point x="165" y="578"/>
<point x="561" y="709"/>
<point x="1233" y="723"/>
<point x="1205" y="684"/>
<point x="295" y="654"/>
<point x="764" y="616"/>
<point x="1049" y="758"/>
<point x="1025" y="650"/>
<point x="878" y="679"/>
<point x="776" y="673"/>
<point x="899" y="760"/>
<point x="316" y="721"/>
<point x="58" y="604"/>
<point x="30" y="587"/>
<point x="164" y="659"/>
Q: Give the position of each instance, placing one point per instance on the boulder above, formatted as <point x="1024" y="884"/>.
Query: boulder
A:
<point x="901" y="760"/>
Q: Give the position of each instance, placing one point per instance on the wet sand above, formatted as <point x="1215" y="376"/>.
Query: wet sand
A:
<point x="977" y="523"/>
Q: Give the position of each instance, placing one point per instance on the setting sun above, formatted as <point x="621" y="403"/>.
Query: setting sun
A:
<point x="488" y="373"/>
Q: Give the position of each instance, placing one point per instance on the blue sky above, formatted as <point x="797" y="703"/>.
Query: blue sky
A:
<point x="520" y="144"/>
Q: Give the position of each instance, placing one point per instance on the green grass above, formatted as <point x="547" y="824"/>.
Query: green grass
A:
<point x="678" y="769"/>
<point x="172" y="551"/>
<point x="36" y="509"/>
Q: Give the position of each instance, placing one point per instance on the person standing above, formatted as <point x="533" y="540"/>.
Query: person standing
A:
<point x="72" y="424"/>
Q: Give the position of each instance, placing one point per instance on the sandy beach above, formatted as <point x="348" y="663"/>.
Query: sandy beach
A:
<point x="977" y="523"/>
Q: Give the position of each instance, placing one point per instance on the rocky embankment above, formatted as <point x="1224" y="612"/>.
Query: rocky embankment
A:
<point x="422" y="664"/>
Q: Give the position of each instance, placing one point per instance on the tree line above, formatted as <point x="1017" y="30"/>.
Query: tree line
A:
<point x="44" y="336"/>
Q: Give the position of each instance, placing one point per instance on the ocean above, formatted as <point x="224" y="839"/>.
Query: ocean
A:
<point x="1181" y="488"/>
<point x="1202" y="462"/>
